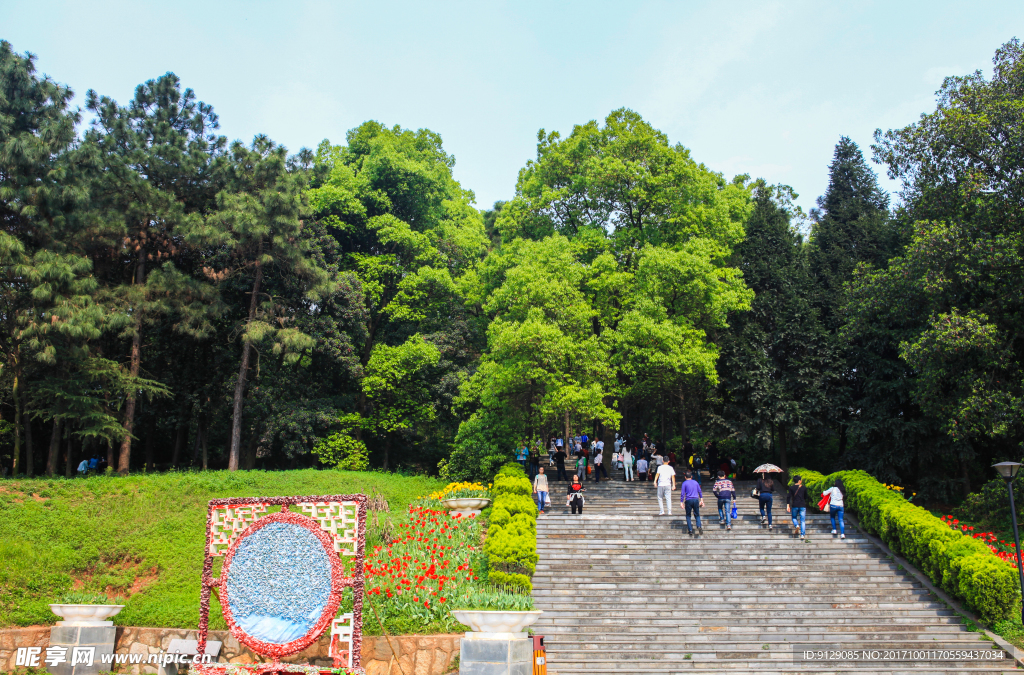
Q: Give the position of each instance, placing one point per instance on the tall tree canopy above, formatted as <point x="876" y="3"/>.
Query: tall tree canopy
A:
<point x="173" y="299"/>
<point x="777" y="357"/>
<point x="611" y="277"/>
<point x="948" y="305"/>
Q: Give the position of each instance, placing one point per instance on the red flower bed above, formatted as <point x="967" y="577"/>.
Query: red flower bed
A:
<point x="1003" y="550"/>
<point x="428" y="563"/>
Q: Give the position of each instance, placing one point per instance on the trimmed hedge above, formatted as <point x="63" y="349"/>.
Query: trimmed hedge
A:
<point x="505" y="484"/>
<point x="962" y="566"/>
<point x="511" y="545"/>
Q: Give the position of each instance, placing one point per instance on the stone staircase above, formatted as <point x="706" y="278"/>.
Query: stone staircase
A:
<point x="626" y="591"/>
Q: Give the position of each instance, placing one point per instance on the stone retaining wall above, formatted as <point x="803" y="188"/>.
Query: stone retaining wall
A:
<point x="413" y="654"/>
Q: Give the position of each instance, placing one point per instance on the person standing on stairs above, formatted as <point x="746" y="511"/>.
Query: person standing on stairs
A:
<point x="765" y="487"/>
<point x="575" y="493"/>
<point x="726" y="494"/>
<point x="665" y="481"/>
<point x="796" y="504"/>
<point x="522" y="455"/>
<point x="627" y="463"/>
<point x="599" y="466"/>
<point x="540" y="488"/>
<point x="641" y="469"/>
<point x="835" y="506"/>
<point x="692" y="500"/>
<point x="560" y="458"/>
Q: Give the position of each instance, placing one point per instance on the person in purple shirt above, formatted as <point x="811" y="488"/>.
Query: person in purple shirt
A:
<point x="692" y="500"/>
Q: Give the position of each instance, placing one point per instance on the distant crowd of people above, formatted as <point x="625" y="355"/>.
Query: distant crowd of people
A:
<point x="641" y="460"/>
<point x="638" y="457"/>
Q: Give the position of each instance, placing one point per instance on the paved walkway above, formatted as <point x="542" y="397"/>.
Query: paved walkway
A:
<point x="625" y="591"/>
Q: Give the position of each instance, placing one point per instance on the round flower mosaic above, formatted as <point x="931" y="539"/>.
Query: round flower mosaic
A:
<point x="279" y="583"/>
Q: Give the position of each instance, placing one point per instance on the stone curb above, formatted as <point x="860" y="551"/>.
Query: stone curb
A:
<point x="1018" y="655"/>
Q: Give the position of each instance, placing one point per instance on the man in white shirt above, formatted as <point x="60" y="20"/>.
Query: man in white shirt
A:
<point x="599" y="466"/>
<point x="665" y="480"/>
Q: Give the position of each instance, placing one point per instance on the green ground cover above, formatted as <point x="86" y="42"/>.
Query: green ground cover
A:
<point x="142" y="536"/>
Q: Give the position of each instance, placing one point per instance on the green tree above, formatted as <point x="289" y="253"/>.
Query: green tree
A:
<point x="950" y="296"/>
<point x="776" y="358"/>
<point x="154" y="167"/>
<point x="851" y="227"/>
<point x="651" y="232"/>
<point x="396" y="385"/>
<point x="38" y="190"/>
<point x="406" y="230"/>
<point x="258" y="226"/>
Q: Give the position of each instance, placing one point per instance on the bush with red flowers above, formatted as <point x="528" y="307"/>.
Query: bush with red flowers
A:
<point x="1003" y="550"/>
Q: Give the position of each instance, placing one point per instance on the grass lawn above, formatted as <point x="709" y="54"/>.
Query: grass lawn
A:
<point x="142" y="536"/>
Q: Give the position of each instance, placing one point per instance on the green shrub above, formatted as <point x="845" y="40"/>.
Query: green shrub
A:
<point x="520" y="582"/>
<point x="499" y="516"/>
<point x="511" y="469"/>
<point x="516" y="542"/>
<point x="990" y="504"/>
<point x="962" y="566"/>
<point x="511" y="545"/>
<point x="511" y="485"/>
<point x="515" y="504"/>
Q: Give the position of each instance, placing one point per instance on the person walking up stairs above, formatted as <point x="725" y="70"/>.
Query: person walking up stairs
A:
<point x="627" y="593"/>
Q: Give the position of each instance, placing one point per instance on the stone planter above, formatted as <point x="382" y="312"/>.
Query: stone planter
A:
<point x="85" y="615"/>
<point x="488" y="623"/>
<point x="466" y="506"/>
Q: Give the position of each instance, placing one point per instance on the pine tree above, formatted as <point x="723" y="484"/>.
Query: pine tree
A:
<point x="258" y="226"/>
<point x="775" y="356"/>
<point x="851" y="227"/>
<point x="37" y="190"/>
<point x="156" y="164"/>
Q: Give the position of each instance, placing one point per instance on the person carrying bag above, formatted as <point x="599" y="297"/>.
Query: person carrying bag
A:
<point x="834" y="506"/>
<point x="726" y="493"/>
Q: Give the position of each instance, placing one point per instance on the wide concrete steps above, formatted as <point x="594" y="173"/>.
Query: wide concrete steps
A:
<point x="625" y="591"/>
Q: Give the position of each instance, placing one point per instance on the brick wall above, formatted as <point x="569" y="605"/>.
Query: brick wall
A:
<point x="411" y="654"/>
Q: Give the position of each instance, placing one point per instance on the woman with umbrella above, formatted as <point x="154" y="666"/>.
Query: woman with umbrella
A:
<point x="765" y="488"/>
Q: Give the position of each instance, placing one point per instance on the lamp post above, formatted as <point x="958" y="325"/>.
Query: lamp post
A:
<point x="1008" y="470"/>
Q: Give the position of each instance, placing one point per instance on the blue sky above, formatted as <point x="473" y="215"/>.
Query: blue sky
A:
<point x="762" y="88"/>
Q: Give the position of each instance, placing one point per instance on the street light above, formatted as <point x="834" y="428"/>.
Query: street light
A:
<point x="1008" y="470"/>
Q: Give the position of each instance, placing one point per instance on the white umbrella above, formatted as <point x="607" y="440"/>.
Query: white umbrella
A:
<point x="767" y="468"/>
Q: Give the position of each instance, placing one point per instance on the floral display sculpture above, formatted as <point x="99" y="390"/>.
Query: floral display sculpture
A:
<point x="283" y="578"/>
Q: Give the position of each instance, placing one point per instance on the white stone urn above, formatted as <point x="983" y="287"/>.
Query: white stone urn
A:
<point x="466" y="506"/>
<point x="496" y="623"/>
<point x="85" y="615"/>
